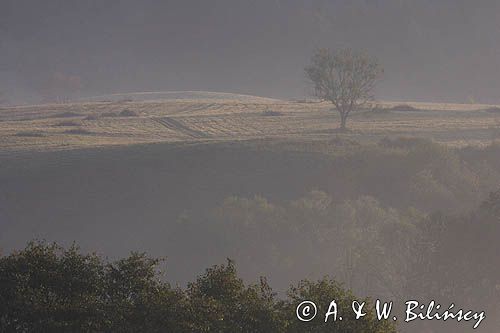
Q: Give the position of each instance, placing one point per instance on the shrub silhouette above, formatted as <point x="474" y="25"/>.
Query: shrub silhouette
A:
<point x="46" y="288"/>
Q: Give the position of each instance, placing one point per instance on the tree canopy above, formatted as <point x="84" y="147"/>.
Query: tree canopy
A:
<point x="46" y="288"/>
<point x="345" y="78"/>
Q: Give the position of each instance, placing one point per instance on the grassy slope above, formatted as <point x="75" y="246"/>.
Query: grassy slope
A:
<point x="98" y="124"/>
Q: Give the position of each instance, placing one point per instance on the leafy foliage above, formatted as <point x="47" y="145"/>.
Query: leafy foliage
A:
<point x="323" y="292"/>
<point x="45" y="288"/>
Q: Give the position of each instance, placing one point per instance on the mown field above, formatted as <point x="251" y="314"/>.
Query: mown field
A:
<point x="226" y="117"/>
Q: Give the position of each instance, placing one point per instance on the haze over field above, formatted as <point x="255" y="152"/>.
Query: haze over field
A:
<point x="444" y="51"/>
<point x="252" y="145"/>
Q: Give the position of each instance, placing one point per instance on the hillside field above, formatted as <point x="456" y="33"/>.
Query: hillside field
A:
<point x="192" y="118"/>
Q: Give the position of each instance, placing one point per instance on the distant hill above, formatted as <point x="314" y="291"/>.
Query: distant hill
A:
<point x="188" y="95"/>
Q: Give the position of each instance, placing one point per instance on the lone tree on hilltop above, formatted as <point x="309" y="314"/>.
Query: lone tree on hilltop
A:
<point x="344" y="78"/>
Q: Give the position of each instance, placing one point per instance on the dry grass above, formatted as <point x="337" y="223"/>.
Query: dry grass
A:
<point x="195" y="120"/>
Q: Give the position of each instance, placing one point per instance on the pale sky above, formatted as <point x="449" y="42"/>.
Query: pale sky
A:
<point x="446" y="50"/>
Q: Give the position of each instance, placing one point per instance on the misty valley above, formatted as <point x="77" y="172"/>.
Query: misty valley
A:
<point x="235" y="166"/>
<point x="395" y="219"/>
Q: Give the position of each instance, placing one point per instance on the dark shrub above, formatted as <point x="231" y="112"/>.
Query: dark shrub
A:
<point x="67" y="123"/>
<point x="30" y="134"/>
<point x="91" y="117"/>
<point x="128" y="113"/>
<point x="108" y="114"/>
<point x="404" y="107"/>
<point x="80" y="130"/>
<point x="45" y="288"/>
<point x="271" y="113"/>
<point x="67" y="114"/>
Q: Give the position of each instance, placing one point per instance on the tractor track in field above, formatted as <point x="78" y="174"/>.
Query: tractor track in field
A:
<point x="177" y="126"/>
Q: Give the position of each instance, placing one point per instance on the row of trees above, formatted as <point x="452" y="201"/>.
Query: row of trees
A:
<point x="45" y="288"/>
<point x="372" y="249"/>
<point x="446" y="258"/>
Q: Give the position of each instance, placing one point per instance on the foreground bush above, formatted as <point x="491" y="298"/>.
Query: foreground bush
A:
<point x="46" y="288"/>
<point x="50" y="289"/>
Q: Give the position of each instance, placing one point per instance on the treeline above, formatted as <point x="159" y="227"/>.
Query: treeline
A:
<point x="373" y="249"/>
<point x="46" y="288"/>
<point x="413" y="172"/>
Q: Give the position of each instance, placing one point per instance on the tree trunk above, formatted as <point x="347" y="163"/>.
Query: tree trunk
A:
<point x="343" y="120"/>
